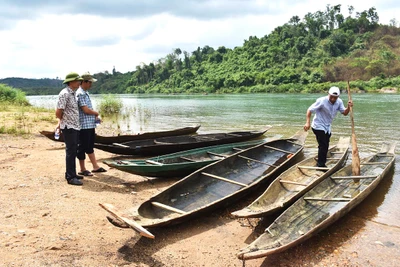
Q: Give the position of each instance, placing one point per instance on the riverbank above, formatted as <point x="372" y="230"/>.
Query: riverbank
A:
<point x="46" y="222"/>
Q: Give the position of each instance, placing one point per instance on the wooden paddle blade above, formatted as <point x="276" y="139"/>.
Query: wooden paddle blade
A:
<point x="355" y="160"/>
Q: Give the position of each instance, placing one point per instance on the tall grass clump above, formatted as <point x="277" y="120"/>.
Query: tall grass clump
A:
<point x="110" y="105"/>
<point x="12" y="96"/>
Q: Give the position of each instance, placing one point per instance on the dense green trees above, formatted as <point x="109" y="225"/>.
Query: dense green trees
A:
<point x="295" y="56"/>
<point x="302" y="55"/>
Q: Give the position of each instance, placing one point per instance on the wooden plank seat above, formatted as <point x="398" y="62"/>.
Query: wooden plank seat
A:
<point x="154" y="162"/>
<point x="166" y="207"/>
<point x="187" y="159"/>
<point x="278" y="149"/>
<point x="352" y="177"/>
<point x="373" y="163"/>
<point x="216" y="154"/>
<point x="121" y="145"/>
<point x="316" y="159"/>
<point x="223" y="179"/>
<point x="333" y="199"/>
<point x="313" y="168"/>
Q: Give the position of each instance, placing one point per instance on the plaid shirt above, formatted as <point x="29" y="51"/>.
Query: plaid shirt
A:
<point x="67" y="102"/>
<point x="86" y="121"/>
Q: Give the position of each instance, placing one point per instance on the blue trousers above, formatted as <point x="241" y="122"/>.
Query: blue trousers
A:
<point x="71" y="138"/>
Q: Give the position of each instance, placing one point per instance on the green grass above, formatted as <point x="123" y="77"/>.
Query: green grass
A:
<point x="13" y="130"/>
<point x="22" y="120"/>
<point x="49" y="118"/>
<point x="17" y="116"/>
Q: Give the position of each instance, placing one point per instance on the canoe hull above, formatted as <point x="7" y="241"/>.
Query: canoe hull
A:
<point x="166" y="145"/>
<point x="165" y="171"/>
<point x="181" y="163"/>
<point x="126" y="138"/>
<point x="295" y="182"/>
<point x="219" y="184"/>
<point x="320" y="207"/>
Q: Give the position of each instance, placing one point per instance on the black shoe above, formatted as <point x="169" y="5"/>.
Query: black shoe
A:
<point x="77" y="177"/>
<point x="75" y="181"/>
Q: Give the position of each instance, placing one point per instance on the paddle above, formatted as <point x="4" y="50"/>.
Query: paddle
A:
<point x="355" y="161"/>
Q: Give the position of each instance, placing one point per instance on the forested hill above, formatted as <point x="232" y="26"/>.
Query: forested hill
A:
<point x="307" y="54"/>
<point x="35" y="86"/>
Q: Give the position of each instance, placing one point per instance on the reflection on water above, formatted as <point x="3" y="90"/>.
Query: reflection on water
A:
<point x="375" y="115"/>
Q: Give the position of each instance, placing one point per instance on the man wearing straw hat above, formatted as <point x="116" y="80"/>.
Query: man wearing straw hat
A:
<point x="87" y="119"/>
<point x="325" y="109"/>
<point x="68" y="114"/>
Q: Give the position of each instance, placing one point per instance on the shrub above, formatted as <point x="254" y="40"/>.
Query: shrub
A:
<point x="110" y="105"/>
<point x="12" y="95"/>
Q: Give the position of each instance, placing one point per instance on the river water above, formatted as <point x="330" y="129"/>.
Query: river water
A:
<point x="376" y="118"/>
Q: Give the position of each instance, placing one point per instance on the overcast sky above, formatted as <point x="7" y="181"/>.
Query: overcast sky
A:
<point x="50" y="38"/>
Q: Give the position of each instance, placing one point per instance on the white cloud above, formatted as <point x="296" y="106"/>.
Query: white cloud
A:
<point x="51" y="40"/>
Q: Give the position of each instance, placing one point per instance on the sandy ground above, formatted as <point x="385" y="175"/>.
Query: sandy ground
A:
<point x="46" y="222"/>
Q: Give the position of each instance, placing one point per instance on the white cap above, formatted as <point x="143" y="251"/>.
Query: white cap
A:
<point x="335" y="91"/>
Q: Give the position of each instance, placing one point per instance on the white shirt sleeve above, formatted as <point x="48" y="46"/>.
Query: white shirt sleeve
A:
<point x="316" y="105"/>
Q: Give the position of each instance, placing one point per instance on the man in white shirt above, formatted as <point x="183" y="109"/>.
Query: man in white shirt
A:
<point x="325" y="109"/>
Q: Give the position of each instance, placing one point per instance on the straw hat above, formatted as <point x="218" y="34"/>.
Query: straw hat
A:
<point x="88" y="77"/>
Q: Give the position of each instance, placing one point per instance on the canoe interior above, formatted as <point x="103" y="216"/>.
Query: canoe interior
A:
<point x="125" y="138"/>
<point x="280" y="194"/>
<point x="188" y="139"/>
<point x="181" y="163"/>
<point x="161" y="146"/>
<point x="197" y="154"/>
<point x="305" y="218"/>
<point x="198" y="190"/>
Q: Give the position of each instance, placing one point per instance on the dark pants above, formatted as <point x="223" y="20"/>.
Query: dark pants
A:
<point x="86" y="143"/>
<point x="71" y="144"/>
<point x="323" y="146"/>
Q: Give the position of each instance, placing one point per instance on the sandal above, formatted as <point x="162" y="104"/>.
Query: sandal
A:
<point x="85" y="173"/>
<point x="100" y="170"/>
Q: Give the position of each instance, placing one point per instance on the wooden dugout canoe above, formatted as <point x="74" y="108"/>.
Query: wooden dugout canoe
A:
<point x="126" y="138"/>
<point x="165" y="145"/>
<point x="331" y="199"/>
<point x="216" y="185"/>
<point x="181" y="163"/>
<point x="295" y="182"/>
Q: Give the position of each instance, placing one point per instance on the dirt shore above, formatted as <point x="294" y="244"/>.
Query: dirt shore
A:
<point x="46" y="222"/>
